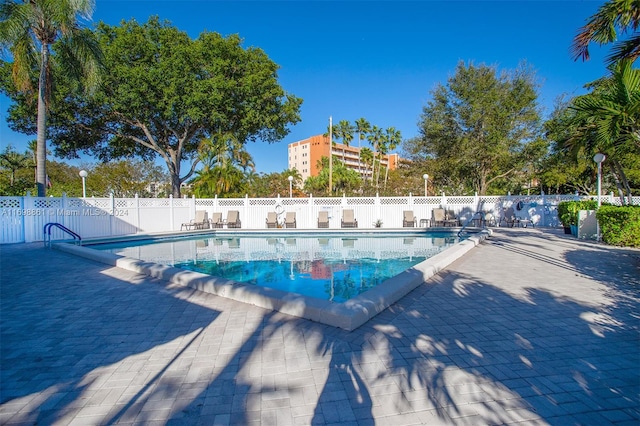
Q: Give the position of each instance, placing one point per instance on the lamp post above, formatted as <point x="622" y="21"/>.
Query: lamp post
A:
<point x="599" y="158"/>
<point x="290" y="186"/>
<point x="426" y="178"/>
<point x="83" y="174"/>
<point x="330" y="155"/>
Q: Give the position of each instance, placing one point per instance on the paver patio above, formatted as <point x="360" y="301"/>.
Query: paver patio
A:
<point x="531" y="327"/>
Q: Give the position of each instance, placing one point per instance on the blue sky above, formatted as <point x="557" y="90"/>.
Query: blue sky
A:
<point x="377" y="59"/>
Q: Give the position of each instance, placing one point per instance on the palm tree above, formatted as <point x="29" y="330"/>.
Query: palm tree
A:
<point x="376" y="139"/>
<point x="13" y="161"/>
<point x="608" y="119"/>
<point x="393" y="137"/>
<point x="226" y="165"/>
<point x="367" y="158"/>
<point x="601" y="29"/>
<point x="31" y="26"/>
<point x="363" y="127"/>
<point x="344" y="130"/>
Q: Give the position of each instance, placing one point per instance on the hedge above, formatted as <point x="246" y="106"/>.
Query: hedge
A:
<point x="620" y="226"/>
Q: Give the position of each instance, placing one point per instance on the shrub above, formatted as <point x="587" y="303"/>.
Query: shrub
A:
<point x="568" y="210"/>
<point x="620" y="226"/>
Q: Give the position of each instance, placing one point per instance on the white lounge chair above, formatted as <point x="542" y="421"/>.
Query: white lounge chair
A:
<point x="216" y="220"/>
<point x="290" y="220"/>
<point x="348" y="220"/>
<point x="408" y="219"/>
<point x="323" y="219"/>
<point x="233" y="219"/>
<point x="272" y="220"/>
<point x="201" y="221"/>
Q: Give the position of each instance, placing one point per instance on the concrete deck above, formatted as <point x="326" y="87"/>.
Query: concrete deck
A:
<point x="530" y="327"/>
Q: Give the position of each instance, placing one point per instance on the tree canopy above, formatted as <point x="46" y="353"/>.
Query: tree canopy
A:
<point x="164" y="93"/>
<point x="613" y="19"/>
<point x="28" y="29"/>
<point x="480" y="127"/>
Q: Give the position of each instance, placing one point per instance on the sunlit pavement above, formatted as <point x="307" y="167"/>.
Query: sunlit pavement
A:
<point x="531" y="327"/>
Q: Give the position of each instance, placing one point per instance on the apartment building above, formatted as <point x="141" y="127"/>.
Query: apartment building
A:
<point x="305" y="154"/>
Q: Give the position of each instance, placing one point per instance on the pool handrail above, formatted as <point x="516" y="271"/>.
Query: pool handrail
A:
<point x="47" y="233"/>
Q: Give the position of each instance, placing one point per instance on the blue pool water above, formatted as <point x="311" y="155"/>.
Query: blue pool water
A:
<point x="332" y="267"/>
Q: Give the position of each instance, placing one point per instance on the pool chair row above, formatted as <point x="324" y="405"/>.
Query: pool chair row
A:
<point x="289" y="221"/>
<point x="202" y="221"/>
<point x="348" y="219"/>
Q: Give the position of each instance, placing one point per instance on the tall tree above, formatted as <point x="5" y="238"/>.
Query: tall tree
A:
<point x="613" y="18"/>
<point x="393" y="138"/>
<point x="362" y="127"/>
<point x="344" y="131"/>
<point x="376" y="139"/>
<point x="27" y="27"/>
<point x="225" y="164"/>
<point x="366" y="156"/>
<point x="163" y="93"/>
<point x="12" y="160"/>
<point x="607" y="120"/>
<point x="478" y="126"/>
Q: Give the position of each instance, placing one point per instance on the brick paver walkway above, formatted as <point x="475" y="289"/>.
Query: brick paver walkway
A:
<point x="531" y="327"/>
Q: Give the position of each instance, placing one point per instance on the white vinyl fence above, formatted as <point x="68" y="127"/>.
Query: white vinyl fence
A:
<point x="22" y="218"/>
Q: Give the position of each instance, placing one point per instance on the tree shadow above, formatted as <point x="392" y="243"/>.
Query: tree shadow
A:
<point x="458" y="349"/>
<point x="531" y="358"/>
<point x="62" y="329"/>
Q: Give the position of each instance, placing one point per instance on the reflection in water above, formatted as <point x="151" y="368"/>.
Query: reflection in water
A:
<point x="329" y="268"/>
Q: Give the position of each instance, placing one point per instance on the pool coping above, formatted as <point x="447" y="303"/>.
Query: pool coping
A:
<point x="348" y="315"/>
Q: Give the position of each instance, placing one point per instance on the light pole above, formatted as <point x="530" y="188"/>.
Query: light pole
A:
<point x="290" y="186"/>
<point x="83" y="174"/>
<point x="599" y="158"/>
<point x="426" y="178"/>
<point x="330" y="155"/>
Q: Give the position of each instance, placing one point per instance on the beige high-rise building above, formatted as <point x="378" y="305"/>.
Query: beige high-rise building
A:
<point x="305" y="154"/>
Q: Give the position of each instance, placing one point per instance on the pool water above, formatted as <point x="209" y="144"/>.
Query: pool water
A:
<point x="334" y="268"/>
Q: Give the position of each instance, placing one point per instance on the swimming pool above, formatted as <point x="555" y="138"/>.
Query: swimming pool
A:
<point x="330" y="267"/>
<point x="347" y="315"/>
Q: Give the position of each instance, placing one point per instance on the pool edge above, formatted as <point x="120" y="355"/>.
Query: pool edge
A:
<point x="348" y="315"/>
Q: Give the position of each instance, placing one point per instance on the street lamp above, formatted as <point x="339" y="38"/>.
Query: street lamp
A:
<point x="599" y="158"/>
<point x="290" y="186"/>
<point x="83" y="174"/>
<point x="426" y="178"/>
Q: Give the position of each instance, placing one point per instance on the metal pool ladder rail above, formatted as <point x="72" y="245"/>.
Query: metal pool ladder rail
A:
<point x="51" y="225"/>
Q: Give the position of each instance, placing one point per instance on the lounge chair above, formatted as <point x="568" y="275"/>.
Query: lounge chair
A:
<point x="201" y="221"/>
<point x="216" y="220"/>
<point x="438" y="217"/>
<point x="451" y="219"/>
<point x="290" y="220"/>
<point x="408" y="219"/>
<point x="272" y="220"/>
<point x="323" y="219"/>
<point x="509" y="217"/>
<point x="233" y="219"/>
<point x="348" y="221"/>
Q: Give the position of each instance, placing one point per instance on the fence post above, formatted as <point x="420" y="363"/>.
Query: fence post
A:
<point x="137" y="212"/>
<point x="171" y="224"/>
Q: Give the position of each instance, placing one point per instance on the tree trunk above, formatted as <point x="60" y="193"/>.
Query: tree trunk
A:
<point x="616" y="178"/>
<point x="625" y="182"/>
<point x="173" y="165"/>
<point x="41" y="144"/>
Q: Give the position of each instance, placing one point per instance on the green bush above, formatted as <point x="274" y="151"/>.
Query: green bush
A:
<point x="568" y="210"/>
<point x="620" y="226"/>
